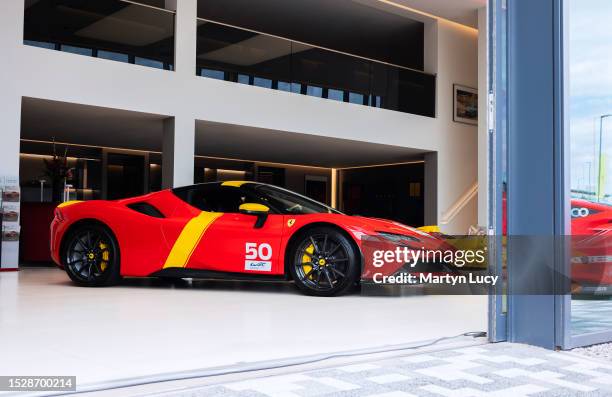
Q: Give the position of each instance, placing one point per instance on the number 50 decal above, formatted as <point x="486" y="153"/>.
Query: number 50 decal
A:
<point x="257" y="257"/>
<point x="256" y="251"/>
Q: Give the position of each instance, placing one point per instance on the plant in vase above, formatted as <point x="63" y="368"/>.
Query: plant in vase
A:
<point x="58" y="172"/>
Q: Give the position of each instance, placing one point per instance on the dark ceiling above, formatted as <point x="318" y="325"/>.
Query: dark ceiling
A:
<point x="342" y="25"/>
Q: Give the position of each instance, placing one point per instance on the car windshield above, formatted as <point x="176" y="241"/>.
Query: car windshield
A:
<point x="288" y="202"/>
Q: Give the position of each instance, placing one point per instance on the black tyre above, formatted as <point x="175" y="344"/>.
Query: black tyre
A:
<point x="324" y="262"/>
<point x="91" y="256"/>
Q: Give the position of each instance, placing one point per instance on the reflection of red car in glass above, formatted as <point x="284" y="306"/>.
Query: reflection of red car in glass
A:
<point x="231" y="229"/>
<point x="591" y="245"/>
<point x="589" y="217"/>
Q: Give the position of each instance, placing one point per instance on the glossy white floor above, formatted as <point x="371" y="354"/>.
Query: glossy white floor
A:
<point x="48" y="326"/>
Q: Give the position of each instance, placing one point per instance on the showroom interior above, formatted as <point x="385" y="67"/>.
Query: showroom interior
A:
<point x="141" y="96"/>
<point x="381" y="108"/>
<point x="393" y="62"/>
<point x="355" y="177"/>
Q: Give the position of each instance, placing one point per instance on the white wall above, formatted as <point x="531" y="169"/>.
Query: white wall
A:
<point x="40" y="73"/>
<point x="456" y="143"/>
<point x="11" y="32"/>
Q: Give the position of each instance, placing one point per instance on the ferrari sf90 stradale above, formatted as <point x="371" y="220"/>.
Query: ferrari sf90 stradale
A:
<point x="234" y="229"/>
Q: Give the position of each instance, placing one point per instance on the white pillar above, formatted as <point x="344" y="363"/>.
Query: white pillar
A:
<point x="9" y="168"/>
<point x="179" y="131"/>
<point x="178" y="149"/>
<point x="483" y="142"/>
<point x="11" y="41"/>
<point x="186" y="29"/>
<point x="10" y="122"/>
<point x="430" y="57"/>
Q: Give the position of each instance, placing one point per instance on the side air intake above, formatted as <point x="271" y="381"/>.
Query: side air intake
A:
<point x="146" y="209"/>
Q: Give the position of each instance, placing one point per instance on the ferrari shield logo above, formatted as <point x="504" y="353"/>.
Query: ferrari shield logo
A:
<point x="290" y="222"/>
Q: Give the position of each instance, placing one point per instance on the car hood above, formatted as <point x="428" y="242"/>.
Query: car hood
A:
<point x="367" y="231"/>
<point x="387" y="226"/>
<point x="361" y="226"/>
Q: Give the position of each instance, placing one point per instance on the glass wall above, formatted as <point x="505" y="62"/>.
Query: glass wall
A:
<point x="590" y="105"/>
<point x="353" y="27"/>
<point x="109" y="29"/>
<point x="246" y="57"/>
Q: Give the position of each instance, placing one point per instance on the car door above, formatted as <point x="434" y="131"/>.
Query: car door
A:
<point x="233" y="243"/>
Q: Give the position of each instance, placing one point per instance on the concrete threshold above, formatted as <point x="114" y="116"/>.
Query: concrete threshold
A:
<point x="196" y="379"/>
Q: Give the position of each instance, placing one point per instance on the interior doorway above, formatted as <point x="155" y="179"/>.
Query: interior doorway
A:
<point x="389" y="192"/>
<point x="125" y="175"/>
<point x="316" y="187"/>
<point x="271" y="175"/>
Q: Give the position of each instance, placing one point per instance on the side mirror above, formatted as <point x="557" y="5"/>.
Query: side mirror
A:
<point x="259" y="210"/>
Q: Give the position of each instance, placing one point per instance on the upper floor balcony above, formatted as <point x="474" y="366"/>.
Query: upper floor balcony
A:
<point x="248" y="57"/>
<point x="334" y="69"/>
<point x="110" y="29"/>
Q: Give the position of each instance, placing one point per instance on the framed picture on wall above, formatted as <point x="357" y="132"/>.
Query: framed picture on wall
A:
<point x="465" y="104"/>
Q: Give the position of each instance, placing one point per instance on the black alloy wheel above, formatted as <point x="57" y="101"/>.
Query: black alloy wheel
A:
<point x="324" y="262"/>
<point x="91" y="256"/>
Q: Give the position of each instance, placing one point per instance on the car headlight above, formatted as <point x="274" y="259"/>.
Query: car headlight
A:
<point x="398" y="238"/>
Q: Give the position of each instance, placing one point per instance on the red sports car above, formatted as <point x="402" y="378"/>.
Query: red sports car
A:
<point x="591" y="247"/>
<point x="230" y="229"/>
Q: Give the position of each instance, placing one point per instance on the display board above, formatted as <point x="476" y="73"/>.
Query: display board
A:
<point x="11" y="230"/>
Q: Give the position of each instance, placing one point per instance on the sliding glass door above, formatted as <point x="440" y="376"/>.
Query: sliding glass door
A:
<point x="588" y="313"/>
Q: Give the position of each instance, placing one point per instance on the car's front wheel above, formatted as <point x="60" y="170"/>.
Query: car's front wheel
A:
<point x="91" y="256"/>
<point x="324" y="262"/>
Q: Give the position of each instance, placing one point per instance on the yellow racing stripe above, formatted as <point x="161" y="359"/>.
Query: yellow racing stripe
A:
<point x="189" y="239"/>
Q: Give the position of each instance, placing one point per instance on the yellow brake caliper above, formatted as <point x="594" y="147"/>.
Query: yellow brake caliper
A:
<point x="105" y="256"/>
<point x="307" y="260"/>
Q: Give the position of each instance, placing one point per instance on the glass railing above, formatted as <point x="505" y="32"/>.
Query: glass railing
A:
<point x="110" y="29"/>
<point x="242" y="56"/>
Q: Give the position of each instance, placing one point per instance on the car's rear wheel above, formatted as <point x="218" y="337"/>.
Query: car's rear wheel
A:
<point x="91" y="256"/>
<point x="324" y="262"/>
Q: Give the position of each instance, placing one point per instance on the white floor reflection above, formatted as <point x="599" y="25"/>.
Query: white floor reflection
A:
<point x="145" y="327"/>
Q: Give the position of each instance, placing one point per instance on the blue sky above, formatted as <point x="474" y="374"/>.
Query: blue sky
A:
<point x="590" y="54"/>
